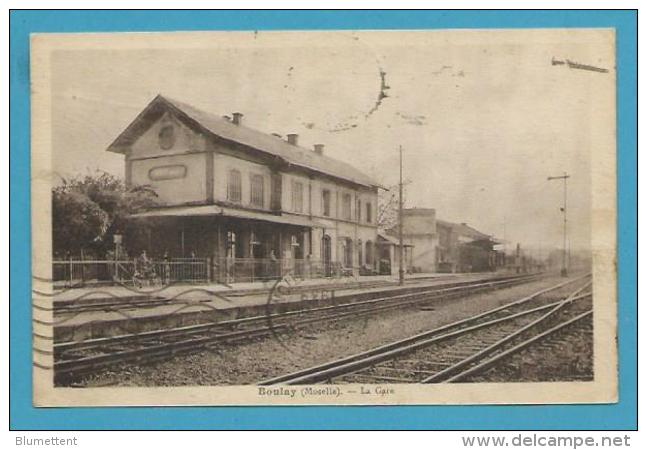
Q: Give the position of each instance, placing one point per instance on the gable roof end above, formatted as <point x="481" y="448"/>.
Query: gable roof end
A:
<point x="219" y="127"/>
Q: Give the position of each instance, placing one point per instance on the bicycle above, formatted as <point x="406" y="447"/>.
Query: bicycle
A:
<point x="148" y="278"/>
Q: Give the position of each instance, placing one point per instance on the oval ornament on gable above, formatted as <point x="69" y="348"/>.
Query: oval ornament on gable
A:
<point x="167" y="137"/>
<point x="167" y="172"/>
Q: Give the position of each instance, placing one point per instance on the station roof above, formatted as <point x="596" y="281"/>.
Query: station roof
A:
<point x="222" y="211"/>
<point x="462" y="229"/>
<point x="220" y="127"/>
<point x="419" y="212"/>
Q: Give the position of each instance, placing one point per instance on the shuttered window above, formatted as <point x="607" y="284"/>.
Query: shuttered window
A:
<point x="276" y="191"/>
<point x="369" y="253"/>
<point x="234" y="186"/>
<point x="348" y="252"/>
<point x="346" y="202"/>
<point x="257" y="191"/>
<point x="325" y="200"/>
<point x="297" y="196"/>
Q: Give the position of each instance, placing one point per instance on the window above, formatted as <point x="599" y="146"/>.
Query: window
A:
<point x="234" y="249"/>
<point x="297" y="196"/>
<point x="234" y="186"/>
<point x="360" y="253"/>
<point x="347" y="251"/>
<point x="255" y="245"/>
<point x="369" y="213"/>
<point x="325" y="202"/>
<point x="358" y="210"/>
<point x="167" y="137"/>
<point x="257" y="193"/>
<point x="369" y="253"/>
<point x="277" y="191"/>
<point x="346" y="206"/>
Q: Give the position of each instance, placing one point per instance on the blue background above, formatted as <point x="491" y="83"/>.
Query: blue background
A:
<point x="622" y="415"/>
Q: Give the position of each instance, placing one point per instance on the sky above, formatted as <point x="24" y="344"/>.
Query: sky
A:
<point x="483" y="117"/>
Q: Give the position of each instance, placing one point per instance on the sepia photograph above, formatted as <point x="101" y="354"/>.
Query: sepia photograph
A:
<point x="324" y="217"/>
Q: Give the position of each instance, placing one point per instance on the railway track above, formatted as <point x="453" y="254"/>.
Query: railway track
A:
<point x="75" y="358"/>
<point x="459" y="350"/>
<point x="564" y="338"/>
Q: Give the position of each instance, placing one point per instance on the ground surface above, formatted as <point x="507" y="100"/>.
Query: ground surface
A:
<point x="268" y="357"/>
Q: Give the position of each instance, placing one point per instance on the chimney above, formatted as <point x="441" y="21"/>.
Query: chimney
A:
<point x="319" y="149"/>
<point x="237" y="118"/>
<point x="293" y="138"/>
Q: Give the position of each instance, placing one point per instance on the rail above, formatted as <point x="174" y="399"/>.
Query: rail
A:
<point x="354" y="363"/>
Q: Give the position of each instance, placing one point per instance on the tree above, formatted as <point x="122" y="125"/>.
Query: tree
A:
<point x="88" y="210"/>
<point x="388" y="201"/>
<point x="77" y="222"/>
<point x="387" y="208"/>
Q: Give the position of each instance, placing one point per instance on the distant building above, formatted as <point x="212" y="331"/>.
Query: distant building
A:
<point x="419" y="231"/>
<point x="389" y="255"/>
<point x="462" y="248"/>
<point x="441" y="246"/>
<point x="252" y="203"/>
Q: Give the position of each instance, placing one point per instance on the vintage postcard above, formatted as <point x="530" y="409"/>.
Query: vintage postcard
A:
<point x="324" y="218"/>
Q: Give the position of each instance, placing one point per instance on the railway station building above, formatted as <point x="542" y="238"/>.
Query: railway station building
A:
<point x="254" y="205"/>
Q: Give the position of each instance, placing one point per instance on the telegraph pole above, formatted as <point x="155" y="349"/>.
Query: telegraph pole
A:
<point x="401" y="249"/>
<point x="563" y="178"/>
<point x="505" y="246"/>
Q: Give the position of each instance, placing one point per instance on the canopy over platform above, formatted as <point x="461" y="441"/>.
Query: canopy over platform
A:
<point x="223" y="211"/>
<point x="385" y="239"/>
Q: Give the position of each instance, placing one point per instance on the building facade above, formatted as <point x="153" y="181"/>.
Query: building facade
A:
<point x="420" y="235"/>
<point x="462" y="248"/>
<point x="253" y="204"/>
<point x="389" y="255"/>
<point x="441" y="246"/>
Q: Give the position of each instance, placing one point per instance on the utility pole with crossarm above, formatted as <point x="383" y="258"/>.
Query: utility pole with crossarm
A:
<point x="400" y="236"/>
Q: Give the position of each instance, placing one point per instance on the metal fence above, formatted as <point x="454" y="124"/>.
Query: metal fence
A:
<point x="75" y="272"/>
<point x="193" y="270"/>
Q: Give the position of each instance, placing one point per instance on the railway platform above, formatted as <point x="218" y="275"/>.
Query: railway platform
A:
<point x="89" y="340"/>
<point x="89" y="313"/>
<point x="237" y="290"/>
